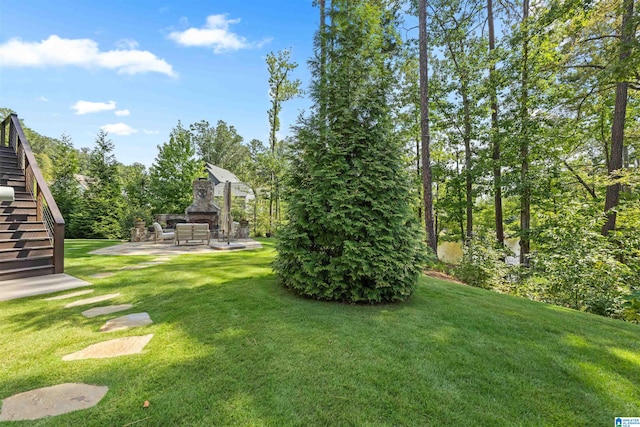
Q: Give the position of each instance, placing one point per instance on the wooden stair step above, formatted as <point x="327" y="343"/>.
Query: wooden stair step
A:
<point x="19" y="263"/>
<point x="20" y="273"/>
<point x="22" y="226"/>
<point x="9" y="217"/>
<point x="37" y="233"/>
<point x="19" y="203"/>
<point x="25" y="243"/>
<point x="13" y="253"/>
<point x="17" y="210"/>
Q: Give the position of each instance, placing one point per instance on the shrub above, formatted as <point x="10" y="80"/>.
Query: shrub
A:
<point x="483" y="264"/>
<point x="579" y="268"/>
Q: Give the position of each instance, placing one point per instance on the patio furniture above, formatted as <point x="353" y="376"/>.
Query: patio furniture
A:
<point x="161" y="234"/>
<point x="187" y="232"/>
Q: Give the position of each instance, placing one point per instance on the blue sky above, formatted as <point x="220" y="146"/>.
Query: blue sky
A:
<point x="135" y="68"/>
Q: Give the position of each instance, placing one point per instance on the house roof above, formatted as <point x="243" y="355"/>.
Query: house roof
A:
<point x="221" y="175"/>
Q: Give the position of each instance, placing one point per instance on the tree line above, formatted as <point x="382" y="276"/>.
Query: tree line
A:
<point x="519" y="120"/>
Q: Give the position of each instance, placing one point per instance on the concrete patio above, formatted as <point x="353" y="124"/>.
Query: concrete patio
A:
<point x="151" y="248"/>
<point x="30" y="286"/>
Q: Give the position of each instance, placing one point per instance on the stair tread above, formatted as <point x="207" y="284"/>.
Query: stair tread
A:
<point x="31" y="258"/>
<point x="26" y="249"/>
<point x="26" y="270"/>
<point x="25" y="238"/>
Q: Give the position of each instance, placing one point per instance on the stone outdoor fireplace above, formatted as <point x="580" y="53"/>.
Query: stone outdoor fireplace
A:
<point x="203" y="210"/>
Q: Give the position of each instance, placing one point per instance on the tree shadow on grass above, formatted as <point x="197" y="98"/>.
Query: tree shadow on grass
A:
<point x="233" y="347"/>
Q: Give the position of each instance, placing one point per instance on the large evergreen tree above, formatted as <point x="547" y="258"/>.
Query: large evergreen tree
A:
<point x="100" y="211"/>
<point x="351" y="235"/>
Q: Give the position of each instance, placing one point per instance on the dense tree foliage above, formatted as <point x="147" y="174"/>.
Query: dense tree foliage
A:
<point x="220" y="145"/>
<point x="173" y="172"/>
<point x="534" y="145"/>
<point x="100" y="210"/>
<point x="351" y="235"/>
<point x="65" y="189"/>
<point x="281" y="89"/>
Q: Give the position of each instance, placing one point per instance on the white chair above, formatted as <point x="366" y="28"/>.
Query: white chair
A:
<point x="160" y="234"/>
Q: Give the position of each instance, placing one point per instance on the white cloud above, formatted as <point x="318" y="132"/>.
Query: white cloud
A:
<point x="86" y="107"/>
<point x="41" y="98"/>
<point x="82" y="53"/>
<point x="150" y="132"/>
<point x="122" y="113"/>
<point x="119" y="129"/>
<point x="214" y="34"/>
<point x="127" y="44"/>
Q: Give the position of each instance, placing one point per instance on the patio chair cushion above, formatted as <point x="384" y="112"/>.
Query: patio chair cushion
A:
<point x="160" y="234"/>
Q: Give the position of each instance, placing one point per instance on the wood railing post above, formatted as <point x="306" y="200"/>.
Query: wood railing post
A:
<point x="58" y="248"/>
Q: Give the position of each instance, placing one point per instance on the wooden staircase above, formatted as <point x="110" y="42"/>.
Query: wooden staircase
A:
<point x="31" y="227"/>
<point x="25" y="246"/>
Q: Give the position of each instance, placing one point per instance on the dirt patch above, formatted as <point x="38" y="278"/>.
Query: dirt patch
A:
<point x="442" y="276"/>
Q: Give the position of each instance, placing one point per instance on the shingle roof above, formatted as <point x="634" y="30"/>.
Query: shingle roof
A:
<point x="221" y="175"/>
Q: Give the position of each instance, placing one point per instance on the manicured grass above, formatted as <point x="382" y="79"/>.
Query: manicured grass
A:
<point x="231" y="347"/>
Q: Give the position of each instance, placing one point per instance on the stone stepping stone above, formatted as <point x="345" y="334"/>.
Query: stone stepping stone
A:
<point x="50" y="401"/>
<point x="153" y="262"/>
<point x="99" y="311"/>
<point x="126" y="322"/>
<point x="71" y="295"/>
<point x="91" y="300"/>
<point x="102" y="275"/>
<point x="111" y="348"/>
<point x="134" y="267"/>
<point x="162" y="259"/>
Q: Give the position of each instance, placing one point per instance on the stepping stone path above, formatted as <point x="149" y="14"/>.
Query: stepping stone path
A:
<point x="74" y="294"/>
<point x="102" y="275"/>
<point x="50" y="401"/>
<point x="134" y="267"/>
<point x="99" y="311"/>
<point x="162" y="259"/>
<point x="111" y="348"/>
<point x="126" y="322"/>
<point x="153" y="262"/>
<point x="69" y="397"/>
<point x="91" y="300"/>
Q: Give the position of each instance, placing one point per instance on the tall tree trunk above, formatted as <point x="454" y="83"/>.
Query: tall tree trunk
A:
<point x="495" y="140"/>
<point x="467" y="161"/>
<point x="419" y="172"/>
<point x="323" y="56"/>
<point x="424" y="127"/>
<point x="460" y="204"/>
<point x="619" y="115"/>
<point x="525" y="197"/>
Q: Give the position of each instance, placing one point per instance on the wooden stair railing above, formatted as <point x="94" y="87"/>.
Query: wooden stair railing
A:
<point x="46" y="207"/>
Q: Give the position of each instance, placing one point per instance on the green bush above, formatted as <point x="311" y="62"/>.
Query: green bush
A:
<point x="483" y="264"/>
<point x="577" y="266"/>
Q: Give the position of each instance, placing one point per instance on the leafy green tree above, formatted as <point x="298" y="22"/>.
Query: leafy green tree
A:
<point x="351" y="235"/>
<point x="65" y="188"/>
<point x="256" y="174"/>
<point x="425" y="135"/>
<point x="461" y="67"/>
<point x="135" y="185"/>
<point x="173" y="172"/>
<point x="281" y="89"/>
<point x="220" y="146"/>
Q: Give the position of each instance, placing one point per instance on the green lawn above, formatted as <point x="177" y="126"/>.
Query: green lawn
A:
<point x="231" y="347"/>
